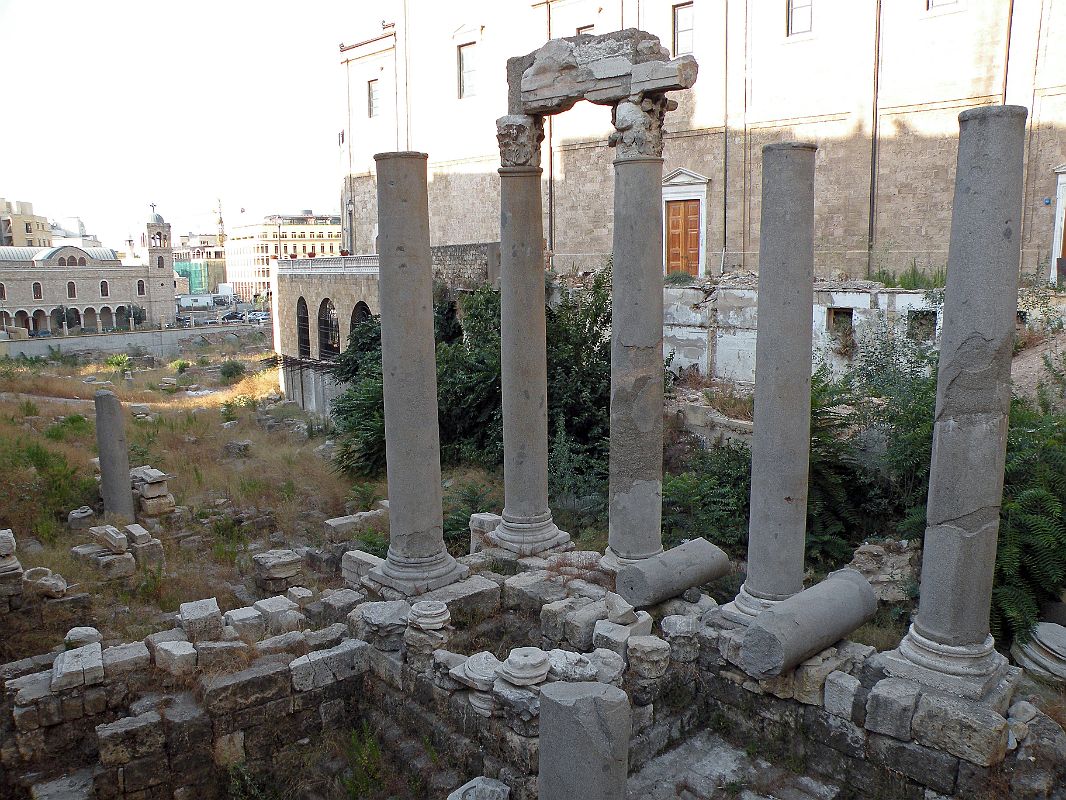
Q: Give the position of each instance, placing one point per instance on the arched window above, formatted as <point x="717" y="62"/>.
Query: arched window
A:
<point x="72" y="290"/>
<point x="329" y="332"/>
<point x="140" y="288"/>
<point x="159" y="262"/>
<point x="361" y="313"/>
<point x="3" y="292"/>
<point x="303" y="329"/>
<point x="81" y="261"/>
<point x="105" y="291"/>
<point x="38" y="292"/>
<point x="62" y="261"/>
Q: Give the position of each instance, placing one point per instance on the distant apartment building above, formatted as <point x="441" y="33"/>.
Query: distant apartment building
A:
<point x="200" y="259"/>
<point x="251" y="247"/>
<point x="20" y="227"/>
<point x="878" y="86"/>
<point x="71" y="230"/>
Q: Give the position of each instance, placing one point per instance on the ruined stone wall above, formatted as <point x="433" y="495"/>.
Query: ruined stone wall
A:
<point x="344" y="290"/>
<point x="466" y="266"/>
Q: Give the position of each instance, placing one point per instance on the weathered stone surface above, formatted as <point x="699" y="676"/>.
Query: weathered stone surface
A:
<point x="529" y="591"/>
<point x="157" y="506"/>
<point x="280" y="614"/>
<point x="129" y="738"/>
<point x="612" y="636"/>
<point x="260" y="683"/>
<point x="111" y="538"/>
<point x="580" y="624"/>
<point x="553" y="617"/>
<point x="277" y="564"/>
<point x="891" y="567"/>
<point x="524" y="666"/>
<point x="248" y="622"/>
<point x="477" y="672"/>
<point x="383" y="623"/>
<point x="7" y="543"/>
<point x="227" y="654"/>
<point x="649" y="656"/>
<point x="839" y="693"/>
<point x="475" y="597"/>
<point x="294" y="642"/>
<point x="890" y="708"/>
<point x="338" y="604"/>
<point x="238" y="448"/>
<point x="125" y="658"/>
<point x="82" y="666"/>
<point x="482" y="788"/>
<point x="301" y="595"/>
<point x="324" y="667"/>
<point x="115" y="486"/>
<point x="178" y="657"/>
<point x="566" y="665"/>
<point x="584" y="742"/>
<point x="356" y="565"/>
<point x="968" y="730"/>
<point x="113" y="566"/>
<point x="610" y="667"/>
<point x="80" y="518"/>
<point x="932" y="768"/>
<point x="81" y="635"/>
<point x="153" y="640"/>
<point x="201" y="620"/>
<point x="668" y="574"/>
<point x="149" y="555"/>
<point x="680" y="632"/>
<point x="136" y="534"/>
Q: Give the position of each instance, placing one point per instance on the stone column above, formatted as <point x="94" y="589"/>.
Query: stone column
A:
<point x="949" y="646"/>
<point x="527" y="525"/>
<point x="115" y="485"/>
<point x="584" y="741"/>
<point x="417" y="560"/>
<point x="780" y="451"/>
<point x="636" y="451"/>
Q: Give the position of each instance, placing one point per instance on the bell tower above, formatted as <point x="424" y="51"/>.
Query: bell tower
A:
<point x="159" y="303"/>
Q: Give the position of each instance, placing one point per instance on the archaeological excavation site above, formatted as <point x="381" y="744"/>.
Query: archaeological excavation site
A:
<point x="497" y="559"/>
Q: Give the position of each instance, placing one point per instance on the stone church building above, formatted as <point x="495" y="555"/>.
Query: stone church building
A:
<point x="877" y="85"/>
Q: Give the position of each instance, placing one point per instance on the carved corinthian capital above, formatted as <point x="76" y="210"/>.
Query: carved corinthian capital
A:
<point x="520" y="136"/>
<point x="639" y="127"/>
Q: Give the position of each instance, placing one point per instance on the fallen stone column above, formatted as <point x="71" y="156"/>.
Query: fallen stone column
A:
<point x="668" y="574"/>
<point x="636" y="445"/>
<point x="949" y="646"/>
<point x="115" y="485"/>
<point x="417" y="560"/>
<point x="790" y="632"/>
<point x="527" y="527"/>
<point x="584" y="742"/>
<point x="780" y="450"/>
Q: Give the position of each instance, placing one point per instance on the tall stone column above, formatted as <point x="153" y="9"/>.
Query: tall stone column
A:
<point x="780" y="451"/>
<point x="527" y="525"/>
<point x="949" y="646"/>
<point x="417" y="560"/>
<point x="115" y="485"/>
<point x="636" y="450"/>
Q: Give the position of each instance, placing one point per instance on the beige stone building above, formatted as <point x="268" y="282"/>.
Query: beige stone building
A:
<point x="20" y="227"/>
<point x="250" y="247"/>
<point x="877" y="85"/>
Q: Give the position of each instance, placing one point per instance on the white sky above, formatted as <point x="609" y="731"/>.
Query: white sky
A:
<point x="109" y="105"/>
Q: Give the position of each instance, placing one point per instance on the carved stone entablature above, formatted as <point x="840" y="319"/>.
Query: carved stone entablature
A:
<point x="639" y="126"/>
<point x="520" y="136"/>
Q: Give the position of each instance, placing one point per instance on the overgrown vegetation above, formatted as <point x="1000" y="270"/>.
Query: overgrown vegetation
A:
<point x="231" y="371"/>
<point x="910" y="278"/>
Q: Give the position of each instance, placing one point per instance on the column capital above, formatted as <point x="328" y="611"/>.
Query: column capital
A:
<point x="639" y="126"/>
<point x="520" y="136"/>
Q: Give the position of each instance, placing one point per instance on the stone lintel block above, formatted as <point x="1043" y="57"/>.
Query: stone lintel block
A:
<point x="969" y="730"/>
<point x="890" y="708"/>
<point x="129" y="738"/>
<point x="82" y="666"/>
<point x="176" y="657"/>
<point x="258" y="684"/>
<point x="324" y="667"/>
<point x="201" y="620"/>
<point x="356" y="565"/>
<point x="125" y="658"/>
<point x="933" y="768"/>
<point x="157" y="506"/>
<point x="472" y="598"/>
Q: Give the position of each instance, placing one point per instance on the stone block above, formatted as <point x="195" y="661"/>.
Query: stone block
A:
<point x="472" y="598"/>
<point x="839" y="692"/>
<point x="356" y="565"/>
<point x="324" y="667"/>
<point x="580" y="624"/>
<point x="302" y="596"/>
<point x="177" y="658"/>
<point x="330" y="636"/>
<point x="553" y="617"/>
<point x="201" y="620"/>
<point x="482" y="788"/>
<point x="342" y="529"/>
<point x="680" y="632"/>
<point x="151" y="490"/>
<point x="566" y="665"/>
<point x="125" y="658"/>
<point x="258" y="684"/>
<point x="275" y="564"/>
<point x="610" y="667"/>
<point x="150" y="555"/>
<point x="969" y="730"/>
<point x="211" y="655"/>
<point x="278" y="613"/>
<point x="932" y="768"/>
<point x="890" y="708"/>
<point x="136" y="534"/>
<point x="7" y="543"/>
<point x="153" y="640"/>
<point x="248" y="622"/>
<point x="649" y="657"/>
<point x="82" y="666"/>
<point x="229" y="749"/>
<point x="111" y="538"/>
<point x="529" y="591"/>
<point x="130" y="737"/>
<point x="388" y="666"/>
<point x="114" y="567"/>
<point x="80" y="518"/>
<point x="338" y="604"/>
<point x="812" y="673"/>
<point x="157" y="506"/>
<point x="615" y="637"/>
<point x="80" y="636"/>
<point x="294" y="642"/>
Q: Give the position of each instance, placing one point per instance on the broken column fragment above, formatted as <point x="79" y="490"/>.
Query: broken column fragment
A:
<point x="668" y="574"/>
<point x="791" y="631"/>
<point x="115" y="486"/>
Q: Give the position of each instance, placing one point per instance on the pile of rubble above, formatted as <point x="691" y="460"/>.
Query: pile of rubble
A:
<point x="119" y="554"/>
<point x="152" y="495"/>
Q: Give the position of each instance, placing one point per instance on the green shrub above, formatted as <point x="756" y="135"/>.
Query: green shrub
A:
<point x="180" y="366"/>
<point x="73" y="426"/>
<point x="459" y="503"/>
<point x="28" y="408"/>
<point x="118" y="361"/>
<point x="231" y="371"/>
<point x="710" y="499"/>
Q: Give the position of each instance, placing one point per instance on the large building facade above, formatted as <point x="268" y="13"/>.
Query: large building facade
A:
<point x="201" y="260"/>
<point x="250" y="248"/>
<point x="877" y="85"/>
<point x="20" y="227"/>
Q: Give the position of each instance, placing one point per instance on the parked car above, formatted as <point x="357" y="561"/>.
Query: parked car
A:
<point x="233" y="316"/>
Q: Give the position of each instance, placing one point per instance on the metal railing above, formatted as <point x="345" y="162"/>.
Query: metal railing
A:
<point x="330" y="265"/>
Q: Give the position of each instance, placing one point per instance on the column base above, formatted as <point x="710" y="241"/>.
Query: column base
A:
<point x="973" y="672"/>
<point x="414" y="576"/>
<point x="611" y="562"/>
<point x="528" y="538"/>
<point x="745" y="607"/>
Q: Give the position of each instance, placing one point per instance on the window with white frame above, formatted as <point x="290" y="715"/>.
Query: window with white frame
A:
<point x="800" y="16"/>
<point x="372" y="99"/>
<point x="467" y="70"/>
<point x="682" y="28"/>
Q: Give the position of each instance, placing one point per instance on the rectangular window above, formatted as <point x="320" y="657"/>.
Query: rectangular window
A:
<point x="467" y="70"/>
<point x="586" y="29"/>
<point x="800" y="16"/>
<point x="29" y="227"/>
<point x="372" y="107"/>
<point x="682" y="29"/>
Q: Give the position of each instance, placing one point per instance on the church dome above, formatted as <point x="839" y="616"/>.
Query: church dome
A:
<point x="155" y="219"/>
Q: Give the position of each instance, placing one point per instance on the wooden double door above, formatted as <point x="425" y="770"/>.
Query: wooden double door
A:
<point x="683" y="236"/>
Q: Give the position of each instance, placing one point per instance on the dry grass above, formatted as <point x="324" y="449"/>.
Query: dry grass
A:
<point x="724" y="398"/>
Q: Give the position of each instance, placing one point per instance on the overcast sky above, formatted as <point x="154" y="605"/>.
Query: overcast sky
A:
<point x="109" y="105"/>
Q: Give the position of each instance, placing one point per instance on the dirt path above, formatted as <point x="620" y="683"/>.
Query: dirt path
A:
<point x="1027" y="369"/>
